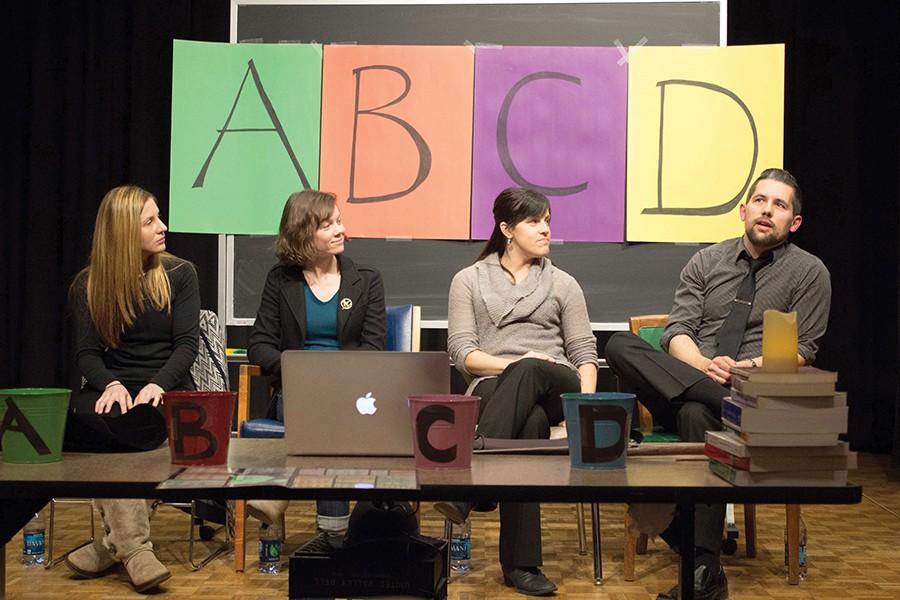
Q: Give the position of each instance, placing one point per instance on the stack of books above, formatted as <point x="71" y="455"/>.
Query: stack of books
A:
<point x="782" y="429"/>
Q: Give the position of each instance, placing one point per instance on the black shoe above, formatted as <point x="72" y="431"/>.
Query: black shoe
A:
<point x="706" y="586"/>
<point x="455" y="512"/>
<point x="529" y="581"/>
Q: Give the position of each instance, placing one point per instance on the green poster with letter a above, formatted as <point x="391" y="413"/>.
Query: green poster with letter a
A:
<point x="245" y="133"/>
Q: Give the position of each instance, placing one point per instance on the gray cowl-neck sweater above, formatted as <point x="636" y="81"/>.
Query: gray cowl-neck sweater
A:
<point x="544" y="313"/>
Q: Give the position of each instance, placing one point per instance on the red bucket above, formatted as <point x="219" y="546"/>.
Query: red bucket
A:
<point x="199" y="426"/>
<point x="443" y="428"/>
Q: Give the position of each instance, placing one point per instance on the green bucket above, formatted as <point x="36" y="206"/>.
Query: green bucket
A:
<point x="32" y="424"/>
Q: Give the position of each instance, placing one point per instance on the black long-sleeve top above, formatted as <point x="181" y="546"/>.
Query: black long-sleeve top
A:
<point x="159" y="347"/>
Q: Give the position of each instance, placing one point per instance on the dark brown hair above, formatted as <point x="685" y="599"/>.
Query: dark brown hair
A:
<point x="512" y="206"/>
<point x="303" y="213"/>
<point x="787" y="179"/>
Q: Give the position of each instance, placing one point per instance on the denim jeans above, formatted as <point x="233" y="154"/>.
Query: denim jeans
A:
<point x="331" y="515"/>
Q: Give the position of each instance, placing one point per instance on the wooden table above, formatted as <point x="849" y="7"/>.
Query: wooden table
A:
<point x="684" y="481"/>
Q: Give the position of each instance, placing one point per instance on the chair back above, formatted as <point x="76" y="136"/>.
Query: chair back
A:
<point x="209" y="371"/>
<point x="404" y="329"/>
<point x="635" y="323"/>
<point x="651" y="335"/>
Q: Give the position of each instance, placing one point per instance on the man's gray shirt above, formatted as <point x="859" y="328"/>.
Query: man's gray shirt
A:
<point x="794" y="281"/>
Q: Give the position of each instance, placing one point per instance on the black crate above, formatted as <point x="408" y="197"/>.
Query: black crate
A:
<point x="410" y="565"/>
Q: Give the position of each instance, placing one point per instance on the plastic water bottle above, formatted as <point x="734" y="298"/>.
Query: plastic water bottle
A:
<point x="33" y="542"/>
<point x="269" y="549"/>
<point x="802" y="553"/>
<point x="461" y="547"/>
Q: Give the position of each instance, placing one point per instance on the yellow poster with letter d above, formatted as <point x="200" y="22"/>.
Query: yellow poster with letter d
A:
<point x="702" y="124"/>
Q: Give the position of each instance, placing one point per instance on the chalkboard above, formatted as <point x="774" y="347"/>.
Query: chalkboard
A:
<point x="618" y="279"/>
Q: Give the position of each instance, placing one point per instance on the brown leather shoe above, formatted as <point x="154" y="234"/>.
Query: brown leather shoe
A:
<point x="455" y="512"/>
<point x="269" y="512"/>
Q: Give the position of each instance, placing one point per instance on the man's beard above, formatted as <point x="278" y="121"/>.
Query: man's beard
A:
<point x="769" y="240"/>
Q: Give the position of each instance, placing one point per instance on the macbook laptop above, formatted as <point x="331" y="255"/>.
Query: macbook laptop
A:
<point x="355" y="403"/>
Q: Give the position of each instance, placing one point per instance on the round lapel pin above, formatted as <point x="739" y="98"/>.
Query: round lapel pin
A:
<point x="346" y="303"/>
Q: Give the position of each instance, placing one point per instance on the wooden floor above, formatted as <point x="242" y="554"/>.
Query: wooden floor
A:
<point x="853" y="554"/>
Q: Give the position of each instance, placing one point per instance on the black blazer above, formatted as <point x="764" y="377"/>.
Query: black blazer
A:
<point x="281" y="320"/>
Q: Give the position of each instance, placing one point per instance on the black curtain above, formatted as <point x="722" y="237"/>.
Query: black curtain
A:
<point x="91" y="96"/>
<point x="842" y="132"/>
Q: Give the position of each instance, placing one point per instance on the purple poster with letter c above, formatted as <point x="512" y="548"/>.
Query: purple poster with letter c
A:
<point x="552" y="119"/>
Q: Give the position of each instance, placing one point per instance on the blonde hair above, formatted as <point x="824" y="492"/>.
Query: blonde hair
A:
<point x="303" y="213"/>
<point x="117" y="284"/>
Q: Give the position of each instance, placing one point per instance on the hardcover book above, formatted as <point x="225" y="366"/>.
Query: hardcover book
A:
<point x="788" y="402"/>
<point x="791" y="478"/>
<point x="731" y="442"/>
<point x="777" y="420"/>
<point x="778" y="462"/>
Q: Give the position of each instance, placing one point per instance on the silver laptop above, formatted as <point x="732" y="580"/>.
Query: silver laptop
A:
<point x="355" y="403"/>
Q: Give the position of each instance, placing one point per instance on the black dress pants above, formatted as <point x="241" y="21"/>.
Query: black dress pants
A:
<point x="522" y="403"/>
<point x="682" y="398"/>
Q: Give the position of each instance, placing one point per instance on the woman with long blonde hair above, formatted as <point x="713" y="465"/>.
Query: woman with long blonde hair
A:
<point x="136" y="311"/>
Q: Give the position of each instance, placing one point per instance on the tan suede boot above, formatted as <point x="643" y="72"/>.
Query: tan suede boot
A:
<point x="270" y="512"/>
<point x="145" y="570"/>
<point x="127" y="525"/>
<point x="92" y="560"/>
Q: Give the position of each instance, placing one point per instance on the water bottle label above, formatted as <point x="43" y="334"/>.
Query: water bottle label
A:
<point x="269" y="550"/>
<point x="34" y="543"/>
<point x="802" y="554"/>
<point x="460" y="548"/>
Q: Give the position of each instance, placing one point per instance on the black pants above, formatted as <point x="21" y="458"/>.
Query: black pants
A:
<point x="682" y="398"/>
<point x="141" y="428"/>
<point x="522" y="403"/>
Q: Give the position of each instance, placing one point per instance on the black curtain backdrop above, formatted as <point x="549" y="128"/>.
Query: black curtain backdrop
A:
<point x="91" y="97"/>
<point x="842" y="132"/>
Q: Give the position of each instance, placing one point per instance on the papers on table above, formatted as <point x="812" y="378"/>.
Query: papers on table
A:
<point x="291" y="477"/>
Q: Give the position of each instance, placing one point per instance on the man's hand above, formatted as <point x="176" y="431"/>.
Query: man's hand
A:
<point x="149" y="394"/>
<point x="115" y="393"/>
<point x="719" y="369"/>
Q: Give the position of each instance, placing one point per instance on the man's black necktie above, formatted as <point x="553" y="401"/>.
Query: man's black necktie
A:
<point x="731" y="334"/>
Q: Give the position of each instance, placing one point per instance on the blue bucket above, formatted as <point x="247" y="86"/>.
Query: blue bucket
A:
<point x="598" y="426"/>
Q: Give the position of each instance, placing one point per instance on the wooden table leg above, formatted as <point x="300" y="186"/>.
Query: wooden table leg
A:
<point x="630" y="548"/>
<point x="792" y="514"/>
<point x="750" y="530"/>
<point x="240" y="534"/>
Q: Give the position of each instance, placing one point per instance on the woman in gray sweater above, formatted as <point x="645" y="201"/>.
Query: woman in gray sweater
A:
<point x="519" y="330"/>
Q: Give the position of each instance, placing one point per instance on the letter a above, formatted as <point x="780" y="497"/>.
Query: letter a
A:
<point x="276" y="122"/>
<point x="418" y="140"/>
<point x="15" y="420"/>
<point x="718" y="209"/>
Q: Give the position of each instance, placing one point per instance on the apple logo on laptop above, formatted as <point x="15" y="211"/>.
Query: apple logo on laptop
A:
<point x="366" y="404"/>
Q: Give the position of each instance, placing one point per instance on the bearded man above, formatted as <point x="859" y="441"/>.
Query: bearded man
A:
<point x="715" y="324"/>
